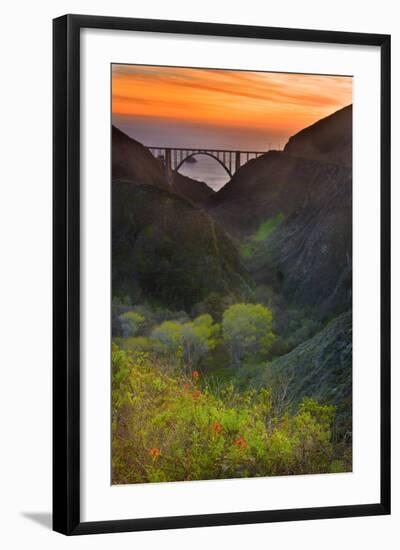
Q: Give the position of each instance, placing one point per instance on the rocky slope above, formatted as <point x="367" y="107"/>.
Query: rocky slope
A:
<point x="132" y="161"/>
<point x="307" y="204"/>
<point x="320" y="367"/>
<point x="328" y="140"/>
<point x="276" y="182"/>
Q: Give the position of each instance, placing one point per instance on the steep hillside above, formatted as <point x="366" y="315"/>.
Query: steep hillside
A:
<point x="196" y="192"/>
<point x="168" y="252"/>
<point x="132" y="161"/>
<point x="328" y="140"/>
<point x="320" y="367"/>
<point x="312" y="250"/>
<point x="293" y="216"/>
<point x="276" y="182"/>
<point x="293" y="219"/>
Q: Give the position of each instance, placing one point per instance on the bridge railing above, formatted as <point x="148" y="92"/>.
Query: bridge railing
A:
<point x="174" y="157"/>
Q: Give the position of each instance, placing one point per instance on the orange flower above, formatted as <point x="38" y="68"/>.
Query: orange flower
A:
<point x="217" y="427"/>
<point x="154" y="452"/>
<point x="241" y="442"/>
<point x="195" y="375"/>
<point x="186" y="387"/>
<point x="196" y="394"/>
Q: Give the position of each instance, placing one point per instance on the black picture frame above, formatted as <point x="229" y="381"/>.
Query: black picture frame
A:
<point x="66" y="273"/>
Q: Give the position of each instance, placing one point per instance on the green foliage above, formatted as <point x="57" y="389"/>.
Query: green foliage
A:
<point x="169" y="427"/>
<point x="247" y="330"/>
<point x="136" y="343"/>
<point x="168" y="253"/>
<point x="199" y="337"/>
<point x="298" y="331"/>
<point x="266" y="227"/>
<point x="214" y="304"/>
<point x="130" y="323"/>
<point x="246" y="250"/>
<point x="189" y="341"/>
<point x="319" y="367"/>
<point x="250" y="246"/>
<point x="293" y="324"/>
<point x="169" y="341"/>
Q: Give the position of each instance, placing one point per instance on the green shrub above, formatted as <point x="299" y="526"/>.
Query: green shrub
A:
<point x="247" y="330"/>
<point x="186" y="342"/>
<point x="172" y="427"/>
<point x="130" y="323"/>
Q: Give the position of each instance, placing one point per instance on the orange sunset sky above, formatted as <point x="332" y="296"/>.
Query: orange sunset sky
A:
<point x="190" y="107"/>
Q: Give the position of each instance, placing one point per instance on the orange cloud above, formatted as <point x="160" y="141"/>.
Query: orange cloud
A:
<point x="278" y="101"/>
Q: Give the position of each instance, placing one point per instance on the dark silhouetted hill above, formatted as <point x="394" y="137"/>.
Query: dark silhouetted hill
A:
<point x="132" y="161"/>
<point x="169" y="253"/>
<point x="328" y="140"/>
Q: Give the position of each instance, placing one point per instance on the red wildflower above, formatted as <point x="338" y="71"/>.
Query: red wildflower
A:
<point x="241" y="442"/>
<point x="217" y="427"/>
<point x="154" y="452"/>
<point x="195" y="375"/>
<point x="186" y="386"/>
<point x="196" y="394"/>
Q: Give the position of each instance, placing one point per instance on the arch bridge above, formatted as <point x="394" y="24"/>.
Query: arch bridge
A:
<point x="174" y="157"/>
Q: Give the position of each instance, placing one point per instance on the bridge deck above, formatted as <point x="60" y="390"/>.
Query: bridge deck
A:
<point x="230" y="159"/>
<point x="206" y="150"/>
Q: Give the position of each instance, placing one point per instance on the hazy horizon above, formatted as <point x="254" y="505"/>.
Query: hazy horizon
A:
<point x="219" y="108"/>
<point x="170" y="133"/>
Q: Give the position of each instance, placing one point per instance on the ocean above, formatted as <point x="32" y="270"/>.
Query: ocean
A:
<point x="208" y="170"/>
<point x="159" y="133"/>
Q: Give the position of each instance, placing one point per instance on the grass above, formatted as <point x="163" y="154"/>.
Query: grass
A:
<point x="266" y="228"/>
<point x="250" y="245"/>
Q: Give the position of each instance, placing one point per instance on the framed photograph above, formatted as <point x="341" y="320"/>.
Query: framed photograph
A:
<point x="221" y="274"/>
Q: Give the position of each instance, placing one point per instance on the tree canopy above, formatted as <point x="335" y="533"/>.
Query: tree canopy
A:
<point x="247" y="330"/>
<point x="192" y="339"/>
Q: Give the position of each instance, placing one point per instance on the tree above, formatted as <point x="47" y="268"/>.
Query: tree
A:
<point x="199" y="337"/>
<point x="247" y="330"/>
<point x="130" y="323"/>
<point x="169" y="336"/>
<point x="193" y="339"/>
